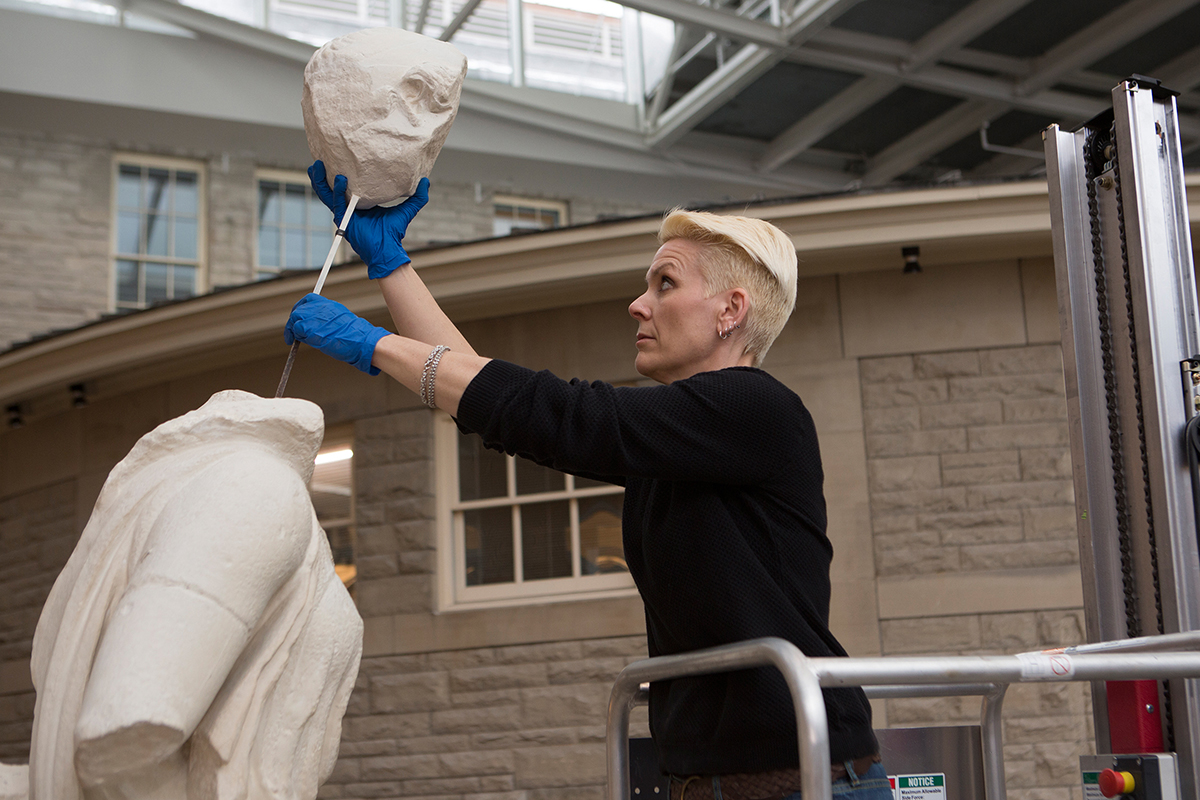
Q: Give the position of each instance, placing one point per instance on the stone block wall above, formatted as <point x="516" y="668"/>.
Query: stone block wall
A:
<point x="969" y="463"/>
<point x="500" y="723"/>
<point x="56" y="223"/>
<point x="232" y="195"/>
<point x="37" y="535"/>
<point x="970" y="473"/>
<point x="54" y="233"/>
<point x="394" y="513"/>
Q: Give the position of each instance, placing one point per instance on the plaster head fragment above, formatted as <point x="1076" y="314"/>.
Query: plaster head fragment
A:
<point x="378" y="104"/>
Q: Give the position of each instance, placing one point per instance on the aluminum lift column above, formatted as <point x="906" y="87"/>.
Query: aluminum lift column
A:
<point x="1127" y="305"/>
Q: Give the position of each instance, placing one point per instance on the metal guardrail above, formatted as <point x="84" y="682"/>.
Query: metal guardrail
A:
<point x="1149" y="657"/>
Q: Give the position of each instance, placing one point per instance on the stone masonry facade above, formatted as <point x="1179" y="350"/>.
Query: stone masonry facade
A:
<point x="504" y="723"/>
<point x="969" y="462"/>
<point x="56" y="222"/>
<point x="394" y="513"/>
<point x="37" y="535"/>
<point x="970" y="472"/>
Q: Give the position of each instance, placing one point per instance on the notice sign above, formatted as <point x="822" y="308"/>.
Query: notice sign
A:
<point x="1091" y="786"/>
<point x="920" y="787"/>
<point x="1046" y="666"/>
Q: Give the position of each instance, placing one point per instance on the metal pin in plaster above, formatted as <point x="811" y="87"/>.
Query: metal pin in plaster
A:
<point x="337" y="240"/>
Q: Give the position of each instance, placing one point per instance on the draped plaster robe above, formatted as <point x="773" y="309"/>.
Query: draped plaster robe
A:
<point x="198" y="643"/>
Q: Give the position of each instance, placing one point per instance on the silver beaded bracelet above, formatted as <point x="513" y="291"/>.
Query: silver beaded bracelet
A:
<point x="429" y="375"/>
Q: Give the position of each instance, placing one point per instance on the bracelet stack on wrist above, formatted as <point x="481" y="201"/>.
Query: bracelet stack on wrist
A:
<point x="429" y="375"/>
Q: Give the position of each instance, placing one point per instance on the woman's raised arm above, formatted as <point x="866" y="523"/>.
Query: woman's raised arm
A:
<point x="377" y="234"/>
<point x="416" y="314"/>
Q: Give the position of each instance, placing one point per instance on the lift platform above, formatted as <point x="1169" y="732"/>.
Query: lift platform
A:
<point x="1131" y="353"/>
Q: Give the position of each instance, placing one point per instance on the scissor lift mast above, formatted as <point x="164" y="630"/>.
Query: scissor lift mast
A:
<point x="1131" y="352"/>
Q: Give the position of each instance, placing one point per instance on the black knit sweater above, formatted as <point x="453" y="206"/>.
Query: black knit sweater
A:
<point x="724" y="533"/>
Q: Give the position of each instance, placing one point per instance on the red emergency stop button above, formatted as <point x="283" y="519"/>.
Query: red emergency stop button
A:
<point x="1115" y="784"/>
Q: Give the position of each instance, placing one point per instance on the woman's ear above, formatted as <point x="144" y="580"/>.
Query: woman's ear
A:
<point x="737" y="306"/>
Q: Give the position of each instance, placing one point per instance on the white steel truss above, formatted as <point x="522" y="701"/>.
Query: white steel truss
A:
<point x="748" y="38"/>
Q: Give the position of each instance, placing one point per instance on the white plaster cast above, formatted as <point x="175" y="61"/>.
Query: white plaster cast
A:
<point x="198" y="644"/>
<point x="378" y="104"/>
<point x="14" y="782"/>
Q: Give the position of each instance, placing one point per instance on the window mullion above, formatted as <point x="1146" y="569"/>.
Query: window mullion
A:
<point x="576" y="555"/>
<point x="518" y="551"/>
<point x="510" y="479"/>
<point x="458" y="520"/>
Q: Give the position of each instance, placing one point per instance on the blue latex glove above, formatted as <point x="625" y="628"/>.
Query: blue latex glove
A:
<point x="375" y="234"/>
<point x="334" y="330"/>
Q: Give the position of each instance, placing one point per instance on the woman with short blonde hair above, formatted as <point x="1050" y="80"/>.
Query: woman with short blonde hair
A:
<point x="723" y="519"/>
<point x="746" y="252"/>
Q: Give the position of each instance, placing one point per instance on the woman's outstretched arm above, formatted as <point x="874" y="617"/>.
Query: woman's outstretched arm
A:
<point x="404" y="359"/>
<point x="330" y="327"/>
<point x="417" y="315"/>
<point x="377" y="235"/>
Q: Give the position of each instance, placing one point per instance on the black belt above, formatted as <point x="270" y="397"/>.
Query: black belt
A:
<point x="771" y="785"/>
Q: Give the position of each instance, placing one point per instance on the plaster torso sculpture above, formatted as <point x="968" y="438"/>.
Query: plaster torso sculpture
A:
<point x="378" y="104"/>
<point x="198" y="643"/>
<point x="14" y="781"/>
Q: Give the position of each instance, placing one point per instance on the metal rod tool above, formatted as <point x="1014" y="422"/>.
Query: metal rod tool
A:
<point x="337" y="239"/>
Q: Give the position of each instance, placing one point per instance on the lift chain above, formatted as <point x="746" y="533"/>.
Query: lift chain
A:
<point x="1165" y="686"/>
<point x="1092" y="151"/>
<point x="1137" y="393"/>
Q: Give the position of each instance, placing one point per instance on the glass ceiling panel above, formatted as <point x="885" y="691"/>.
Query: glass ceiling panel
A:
<point x="572" y="46"/>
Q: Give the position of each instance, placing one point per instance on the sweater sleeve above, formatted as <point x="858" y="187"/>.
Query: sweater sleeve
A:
<point x="734" y="426"/>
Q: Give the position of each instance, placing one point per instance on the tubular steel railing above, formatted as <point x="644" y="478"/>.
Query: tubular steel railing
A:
<point x="988" y="676"/>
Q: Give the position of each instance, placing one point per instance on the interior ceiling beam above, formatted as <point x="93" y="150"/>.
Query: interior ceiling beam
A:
<point x="960" y="29"/>
<point x="872" y="46"/>
<point x="590" y="129"/>
<point x="717" y="161"/>
<point x="1115" y="29"/>
<point x="740" y="28"/>
<point x="746" y="66"/>
<point x="826" y="118"/>
<point x="867" y="91"/>
<point x="1181" y="73"/>
<point x="460" y="19"/>
<point x="945" y="80"/>
<point x="741" y="154"/>
<point x="959" y="83"/>
<point x="225" y="29"/>
<point x="809" y="17"/>
<point x="662" y="92"/>
<point x="864" y="44"/>
<point x="930" y="139"/>
<point x="717" y="88"/>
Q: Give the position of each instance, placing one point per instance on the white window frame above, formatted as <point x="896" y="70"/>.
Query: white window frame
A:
<point x="344" y="253"/>
<point x="159" y="162"/>
<point x="452" y="590"/>
<point x="557" y="206"/>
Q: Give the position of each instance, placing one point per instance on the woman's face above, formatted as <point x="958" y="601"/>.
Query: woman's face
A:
<point x="677" y="321"/>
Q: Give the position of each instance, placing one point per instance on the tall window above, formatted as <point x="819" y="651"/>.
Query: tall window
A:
<point x="523" y="214"/>
<point x="158" y="246"/>
<point x="514" y="530"/>
<point x="295" y="229"/>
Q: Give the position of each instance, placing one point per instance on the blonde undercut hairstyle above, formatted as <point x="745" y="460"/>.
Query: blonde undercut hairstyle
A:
<point x="748" y="253"/>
